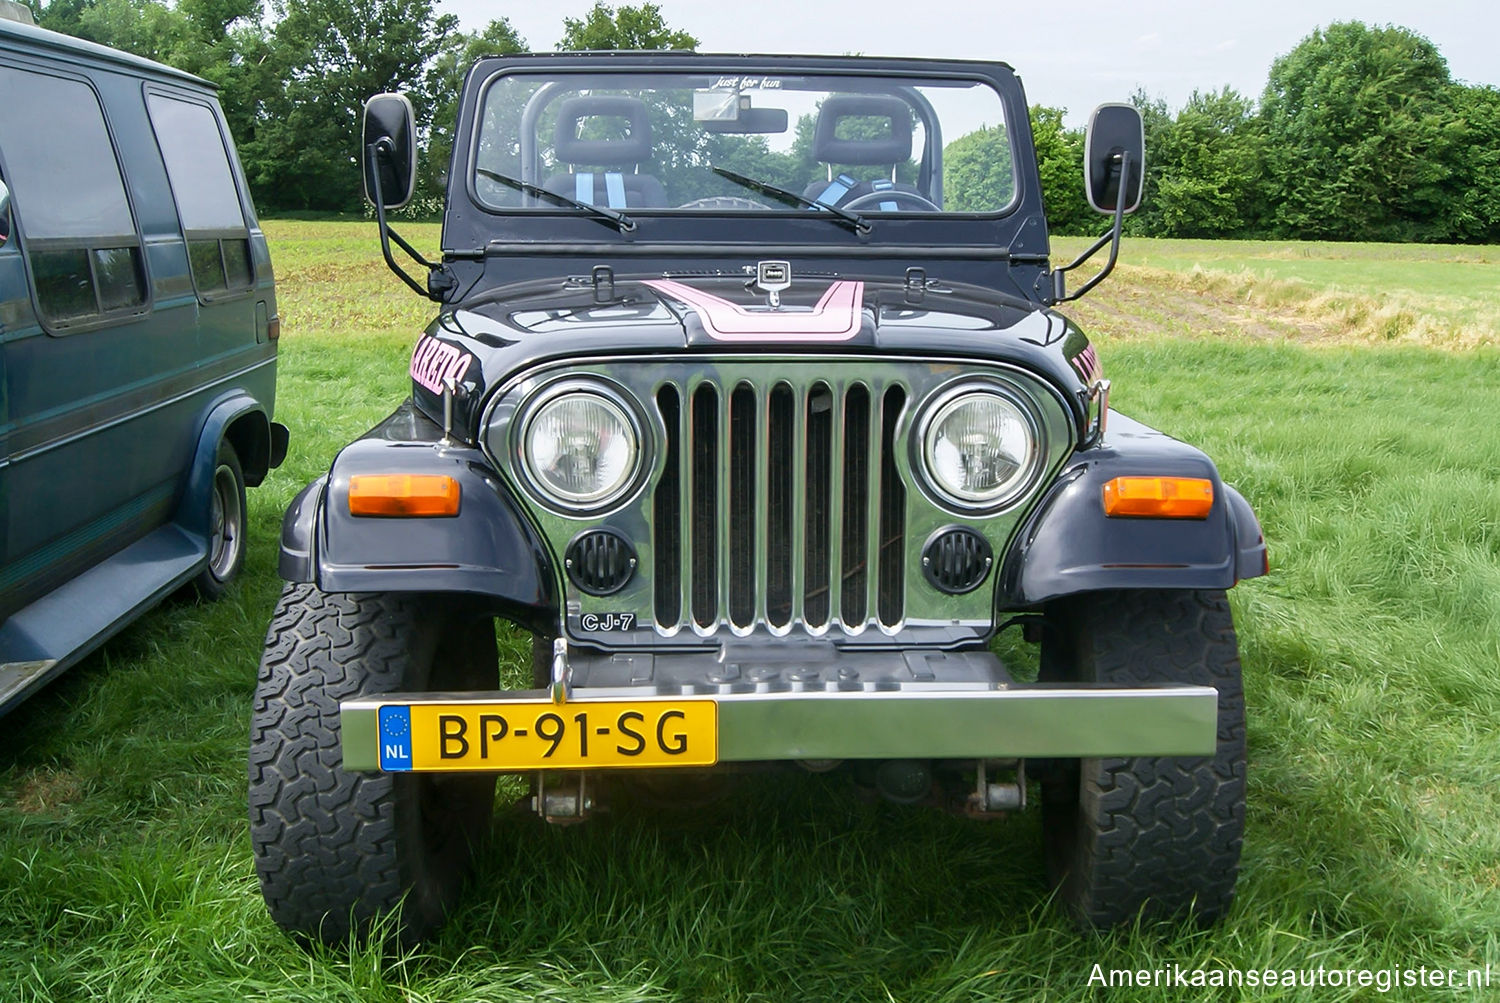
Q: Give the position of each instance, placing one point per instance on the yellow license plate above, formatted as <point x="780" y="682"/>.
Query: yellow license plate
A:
<point x="530" y="735"/>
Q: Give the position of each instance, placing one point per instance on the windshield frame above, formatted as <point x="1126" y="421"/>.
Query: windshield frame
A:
<point x="483" y="248"/>
<point x="903" y="82"/>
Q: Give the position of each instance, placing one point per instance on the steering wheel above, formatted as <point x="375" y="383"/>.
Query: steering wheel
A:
<point x="724" y="202"/>
<point x="872" y="200"/>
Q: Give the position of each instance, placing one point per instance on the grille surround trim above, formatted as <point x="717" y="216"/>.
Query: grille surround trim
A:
<point x="929" y="619"/>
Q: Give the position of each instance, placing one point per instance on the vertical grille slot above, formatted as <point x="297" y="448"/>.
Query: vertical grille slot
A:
<point x="743" y="459"/>
<point x="703" y="450"/>
<point x="667" y="529"/>
<point x="818" y="517"/>
<point x="779" y="505"/>
<point x="891" y="599"/>
<point x="781" y="417"/>
<point x="854" y="552"/>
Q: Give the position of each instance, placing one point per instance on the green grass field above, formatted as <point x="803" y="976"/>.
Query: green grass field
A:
<point x="1442" y="296"/>
<point x="1371" y="656"/>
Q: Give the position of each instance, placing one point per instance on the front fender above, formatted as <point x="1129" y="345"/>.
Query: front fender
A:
<point x="488" y="549"/>
<point x="1070" y="546"/>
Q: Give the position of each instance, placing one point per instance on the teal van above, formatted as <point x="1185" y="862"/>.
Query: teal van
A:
<point x="138" y="333"/>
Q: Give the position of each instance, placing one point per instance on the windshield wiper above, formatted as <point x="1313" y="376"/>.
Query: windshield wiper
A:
<point x="854" y="219"/>
<point x="599" y="212"/>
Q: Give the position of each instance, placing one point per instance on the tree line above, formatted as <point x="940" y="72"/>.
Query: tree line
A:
<point x="1361" y="132"/>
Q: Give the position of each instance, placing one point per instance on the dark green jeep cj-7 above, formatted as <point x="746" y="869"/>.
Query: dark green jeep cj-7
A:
<point x="756" y="413"/>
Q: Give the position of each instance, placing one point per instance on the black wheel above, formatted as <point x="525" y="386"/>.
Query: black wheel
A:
<point x="338" y="851"/>
<point x="1150" y="836"/>
<point x="226" y="528"/>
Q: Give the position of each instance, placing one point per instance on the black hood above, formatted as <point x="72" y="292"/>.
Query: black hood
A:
<point x="483" y="343"/>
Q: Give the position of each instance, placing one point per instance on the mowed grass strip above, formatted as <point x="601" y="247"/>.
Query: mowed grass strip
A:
<point x="1442" y="296"/>
<point x="1370" y="657"/>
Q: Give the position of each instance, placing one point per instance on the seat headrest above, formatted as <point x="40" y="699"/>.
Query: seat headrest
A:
<point x="893" y="148"/>
<point x="631" y="148"/>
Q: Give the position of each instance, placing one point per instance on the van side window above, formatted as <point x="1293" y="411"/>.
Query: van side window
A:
<point x="69" y="198"/>
<point x="208" y="202"/>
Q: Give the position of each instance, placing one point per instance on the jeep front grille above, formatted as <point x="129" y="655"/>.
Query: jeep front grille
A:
<point x="780" y="505"/>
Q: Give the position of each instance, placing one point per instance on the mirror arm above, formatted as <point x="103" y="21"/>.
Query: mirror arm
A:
<point x="1112" y="238"/>
<point x="373" y="153"/>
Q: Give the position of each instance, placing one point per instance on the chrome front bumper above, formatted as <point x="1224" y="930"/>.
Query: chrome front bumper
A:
<point x="908" y="721"/>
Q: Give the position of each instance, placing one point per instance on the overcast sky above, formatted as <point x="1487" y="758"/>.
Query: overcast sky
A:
<point x="1073" y="55"/>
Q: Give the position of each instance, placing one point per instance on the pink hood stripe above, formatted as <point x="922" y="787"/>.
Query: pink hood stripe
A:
<point x="836" y="317"/>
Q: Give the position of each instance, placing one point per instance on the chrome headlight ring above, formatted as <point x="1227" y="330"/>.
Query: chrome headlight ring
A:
<point x="579" y="445"/>
<point x="979" y="446"/>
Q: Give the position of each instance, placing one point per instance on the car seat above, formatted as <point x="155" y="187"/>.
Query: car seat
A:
<point x="614" y="186"/>
<point x="889" y="150"/>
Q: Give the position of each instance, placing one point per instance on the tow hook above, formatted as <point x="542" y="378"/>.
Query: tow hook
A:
<point x="991" y="799"/>
<point x="563" y="798"/>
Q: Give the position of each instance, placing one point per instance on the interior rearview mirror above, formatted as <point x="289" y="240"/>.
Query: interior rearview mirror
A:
<point x="1115" y="133"/>
<point x="390" y="126"/>
<point x="751" y="121"/>
<point x="731" y="111"/>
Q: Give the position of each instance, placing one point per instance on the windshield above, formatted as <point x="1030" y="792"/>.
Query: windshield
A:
<point x="650" y="142"/>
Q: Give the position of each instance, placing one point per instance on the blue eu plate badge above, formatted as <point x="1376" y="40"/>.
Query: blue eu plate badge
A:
<point x="395" y="738"/>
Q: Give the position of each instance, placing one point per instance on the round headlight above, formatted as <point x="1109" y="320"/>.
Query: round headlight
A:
<point x="580" y="449"/>
<point x="979" y="448"/>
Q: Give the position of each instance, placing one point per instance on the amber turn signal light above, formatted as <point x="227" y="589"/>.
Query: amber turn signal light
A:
<point x="1159" y="497"/>
<point x="403" y="494"/>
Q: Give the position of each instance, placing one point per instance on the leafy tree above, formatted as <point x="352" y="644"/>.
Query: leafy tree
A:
<point x="145" y="27"/>
<point x="1476" y="210"/>
<point x="978" y="171"/>
<point x="445" y="80"/>
<point x="627" y="27"/>
<point x="1207" y="168"/>
<point x="1059" y="156"/>
<point x="1362" y="137"/>
<point x="1156" y="123"/>
<point x="332" y="55"/>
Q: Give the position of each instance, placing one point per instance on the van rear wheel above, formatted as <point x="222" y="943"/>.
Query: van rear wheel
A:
<point x="226" y="527"/>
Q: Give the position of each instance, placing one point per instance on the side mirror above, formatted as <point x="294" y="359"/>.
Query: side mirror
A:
<point x="389" y="126"/>
<point x="1114" y="129"/>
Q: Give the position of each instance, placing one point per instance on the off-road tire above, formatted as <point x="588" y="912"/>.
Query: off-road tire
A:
<point x="227" y="534"/>
<point x="1148" y="837"/>
<point x="337" y="851"/>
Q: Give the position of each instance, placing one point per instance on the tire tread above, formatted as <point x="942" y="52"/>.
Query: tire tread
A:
<point x="1156" y="836"/>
